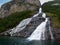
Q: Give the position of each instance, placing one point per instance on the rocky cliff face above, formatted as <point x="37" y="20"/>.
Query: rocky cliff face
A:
<point x="18" y="6"/>
<point x="25" y="30"/>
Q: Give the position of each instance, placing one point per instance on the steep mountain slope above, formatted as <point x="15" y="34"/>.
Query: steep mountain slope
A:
<point x="18" y="6"/>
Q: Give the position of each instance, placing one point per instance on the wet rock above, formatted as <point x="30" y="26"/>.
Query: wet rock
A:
<point x="57" y="33"/>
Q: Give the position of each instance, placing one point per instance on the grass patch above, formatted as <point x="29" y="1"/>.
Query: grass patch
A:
<point x="55" y="20"/>
<point x="14" y="19"/>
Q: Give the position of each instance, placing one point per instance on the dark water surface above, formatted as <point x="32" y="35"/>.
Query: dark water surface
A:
<point x="22" y="41"/>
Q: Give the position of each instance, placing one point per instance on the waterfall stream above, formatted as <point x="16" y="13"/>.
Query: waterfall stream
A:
<point x="20" y="26"/>
<point x="50" y="30"/>
<point x="39" y="33"/>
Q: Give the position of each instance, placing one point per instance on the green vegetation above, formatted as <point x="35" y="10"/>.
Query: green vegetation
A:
<point x="54" y="12"/>
<point x="14" y="19"/>
<point x="55" y="20"/>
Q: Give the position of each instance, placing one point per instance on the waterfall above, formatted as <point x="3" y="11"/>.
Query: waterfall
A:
<point x="40" y="11"/>
<point x="50" y="30"/>
<point x="20" y="26"/>
<point x="39" y="33"/>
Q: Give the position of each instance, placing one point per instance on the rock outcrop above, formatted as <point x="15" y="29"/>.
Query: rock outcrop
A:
<point x="18" y="6"/>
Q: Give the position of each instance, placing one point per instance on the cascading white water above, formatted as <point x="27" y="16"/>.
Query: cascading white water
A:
<point x="39" y="33"/>
<point x="36" y="35"/>
<point x="21" y="26"/>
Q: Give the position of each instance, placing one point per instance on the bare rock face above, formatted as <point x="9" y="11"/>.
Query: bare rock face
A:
<point x="18" y="6"/>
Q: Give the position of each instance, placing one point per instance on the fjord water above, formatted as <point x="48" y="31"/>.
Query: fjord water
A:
<point x="22" y="41"/>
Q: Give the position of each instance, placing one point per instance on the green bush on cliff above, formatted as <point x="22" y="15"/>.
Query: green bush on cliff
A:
<point x="14" y="19"/>
<point x="54" y="12"/>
